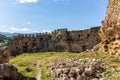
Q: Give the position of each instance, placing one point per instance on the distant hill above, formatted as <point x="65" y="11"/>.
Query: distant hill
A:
<point x="7" y="34"/>
<point x="4" y="40"/>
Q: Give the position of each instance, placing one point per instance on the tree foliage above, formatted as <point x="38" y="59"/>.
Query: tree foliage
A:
<point x="5" y="40"/>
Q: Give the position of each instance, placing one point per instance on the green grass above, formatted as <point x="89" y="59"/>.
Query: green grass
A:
<point x="5" y="40"/>
<point x="1" y="48"/>
<point x="28" y="61"/>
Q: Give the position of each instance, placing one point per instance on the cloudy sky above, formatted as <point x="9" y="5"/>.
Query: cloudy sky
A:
<point x="46" y="15"/>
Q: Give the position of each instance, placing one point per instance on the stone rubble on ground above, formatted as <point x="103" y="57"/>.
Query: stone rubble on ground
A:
<point x="76" y="69"/>
<point x="8" y="72"/>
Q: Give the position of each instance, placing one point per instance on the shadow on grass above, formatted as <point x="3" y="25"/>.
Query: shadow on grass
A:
<point x="22" y="77"/>
<point x="19" y="77"/>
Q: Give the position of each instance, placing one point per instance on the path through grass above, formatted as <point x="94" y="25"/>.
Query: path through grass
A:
<point x="26" y="63"/>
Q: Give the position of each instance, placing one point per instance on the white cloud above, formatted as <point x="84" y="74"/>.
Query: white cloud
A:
<point x="46" y="31"/>
<point x="3" y="28"/>
<point x="20" y="29"/>
<point x="27" y="1"/>
<point x="13" y="29"/>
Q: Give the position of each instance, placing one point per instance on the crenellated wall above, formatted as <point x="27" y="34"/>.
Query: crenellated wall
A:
<point x="60" y="40"/>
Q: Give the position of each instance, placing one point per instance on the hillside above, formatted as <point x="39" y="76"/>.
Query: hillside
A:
<point x="8" y="34"/>
<point x="34" y="66"/>
<point x="4" y="40"/>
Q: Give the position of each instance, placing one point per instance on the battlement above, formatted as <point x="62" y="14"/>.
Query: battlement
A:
<point x="57" y="40"/>
<point x="33" y="35"/>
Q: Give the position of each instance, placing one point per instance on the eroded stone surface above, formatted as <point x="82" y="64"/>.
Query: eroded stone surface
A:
<point x="4" y="55"/>
<point x="110" y="30"/>
<point x="8" y="72"/>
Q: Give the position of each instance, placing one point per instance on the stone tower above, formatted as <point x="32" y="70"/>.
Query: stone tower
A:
<point x="110" y="30"/>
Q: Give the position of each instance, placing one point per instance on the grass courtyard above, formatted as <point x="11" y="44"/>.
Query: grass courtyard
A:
<point x="26" y="63"/>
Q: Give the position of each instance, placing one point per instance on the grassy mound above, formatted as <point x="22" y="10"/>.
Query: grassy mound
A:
<point x="26" y="63"/>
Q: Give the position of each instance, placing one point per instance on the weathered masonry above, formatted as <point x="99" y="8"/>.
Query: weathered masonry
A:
<point x="60" y="40"/>
<point x="110" y="30"/>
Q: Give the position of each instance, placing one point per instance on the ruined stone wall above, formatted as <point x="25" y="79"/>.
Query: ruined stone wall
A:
<point x="84" y="39"/>
<point x="60" y="40"/>
<point x="110" y="30"/>
<point x="7" y="71"/>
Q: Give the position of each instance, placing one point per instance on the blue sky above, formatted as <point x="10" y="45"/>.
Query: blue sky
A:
<point x="27" y="16"/>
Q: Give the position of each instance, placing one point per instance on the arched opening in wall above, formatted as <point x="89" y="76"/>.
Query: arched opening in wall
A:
<point x="16" y="47"/>
<point x="49" y="37"/>
<point x="24" y="48"/>
<point x="79" y="35"/>
<point x="26" y="43"/>
<point x="88" y="35"/>
<point x="33" y="40"/>
<point x="41" y="39"/>
<point x="34" y="44"/>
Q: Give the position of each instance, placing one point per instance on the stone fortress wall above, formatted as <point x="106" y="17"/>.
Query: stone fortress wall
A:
<point x="60" y="40"/>
<point x="63" y="40"/>
<point x="110" y="29"/>
<point x="75" y="41"/>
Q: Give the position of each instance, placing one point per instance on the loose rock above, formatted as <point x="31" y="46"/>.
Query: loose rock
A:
<point x="76" y="69"/>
